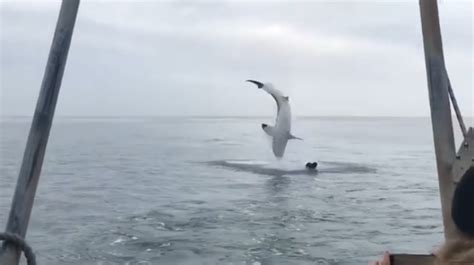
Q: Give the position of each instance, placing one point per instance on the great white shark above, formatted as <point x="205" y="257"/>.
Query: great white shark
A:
<point x="281" y="132"/>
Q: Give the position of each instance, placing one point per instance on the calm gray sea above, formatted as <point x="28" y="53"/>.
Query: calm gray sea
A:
<point x="208" y="191"/>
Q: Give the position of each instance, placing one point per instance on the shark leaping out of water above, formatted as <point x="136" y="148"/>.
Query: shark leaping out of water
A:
<point x="281" y="132"/>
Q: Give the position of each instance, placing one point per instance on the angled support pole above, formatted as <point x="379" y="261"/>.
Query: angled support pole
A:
<point x="438" y="84"/>
<point x="28" y="178"/>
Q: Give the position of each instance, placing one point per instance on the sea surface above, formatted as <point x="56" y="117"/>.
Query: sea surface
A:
<point x="209" y="191"/>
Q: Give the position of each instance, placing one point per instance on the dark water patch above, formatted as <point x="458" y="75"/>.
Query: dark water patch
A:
<point x="263" y="169"/>
<point x="221" y="142"/>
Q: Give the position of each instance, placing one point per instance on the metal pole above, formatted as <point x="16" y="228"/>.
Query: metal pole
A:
<point x="39" y="132"/>
<point x="440" y="109"/>
<point x="456" y="109"/>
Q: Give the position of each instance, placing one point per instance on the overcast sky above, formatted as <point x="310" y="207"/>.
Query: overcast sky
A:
<point x="192" y="57"/>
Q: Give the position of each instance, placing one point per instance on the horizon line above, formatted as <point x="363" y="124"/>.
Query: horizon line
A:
<point x="223" y="116"/>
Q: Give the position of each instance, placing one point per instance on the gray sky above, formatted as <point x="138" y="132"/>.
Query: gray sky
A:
<point x="192" y="57"/>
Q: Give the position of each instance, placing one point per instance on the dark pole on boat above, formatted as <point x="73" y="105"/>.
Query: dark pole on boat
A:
<point x="39" y="132"/>
<point x="438" y="83"/>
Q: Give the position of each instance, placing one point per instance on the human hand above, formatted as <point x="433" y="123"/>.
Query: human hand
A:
<point x="384" y="261"/>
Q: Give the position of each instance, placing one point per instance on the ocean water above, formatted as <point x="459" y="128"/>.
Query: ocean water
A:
<point x="209" y="191"/>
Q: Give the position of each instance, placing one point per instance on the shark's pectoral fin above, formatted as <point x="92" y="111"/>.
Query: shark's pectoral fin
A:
<point x="270" y="130"/>
<point x="292" y="137"/>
